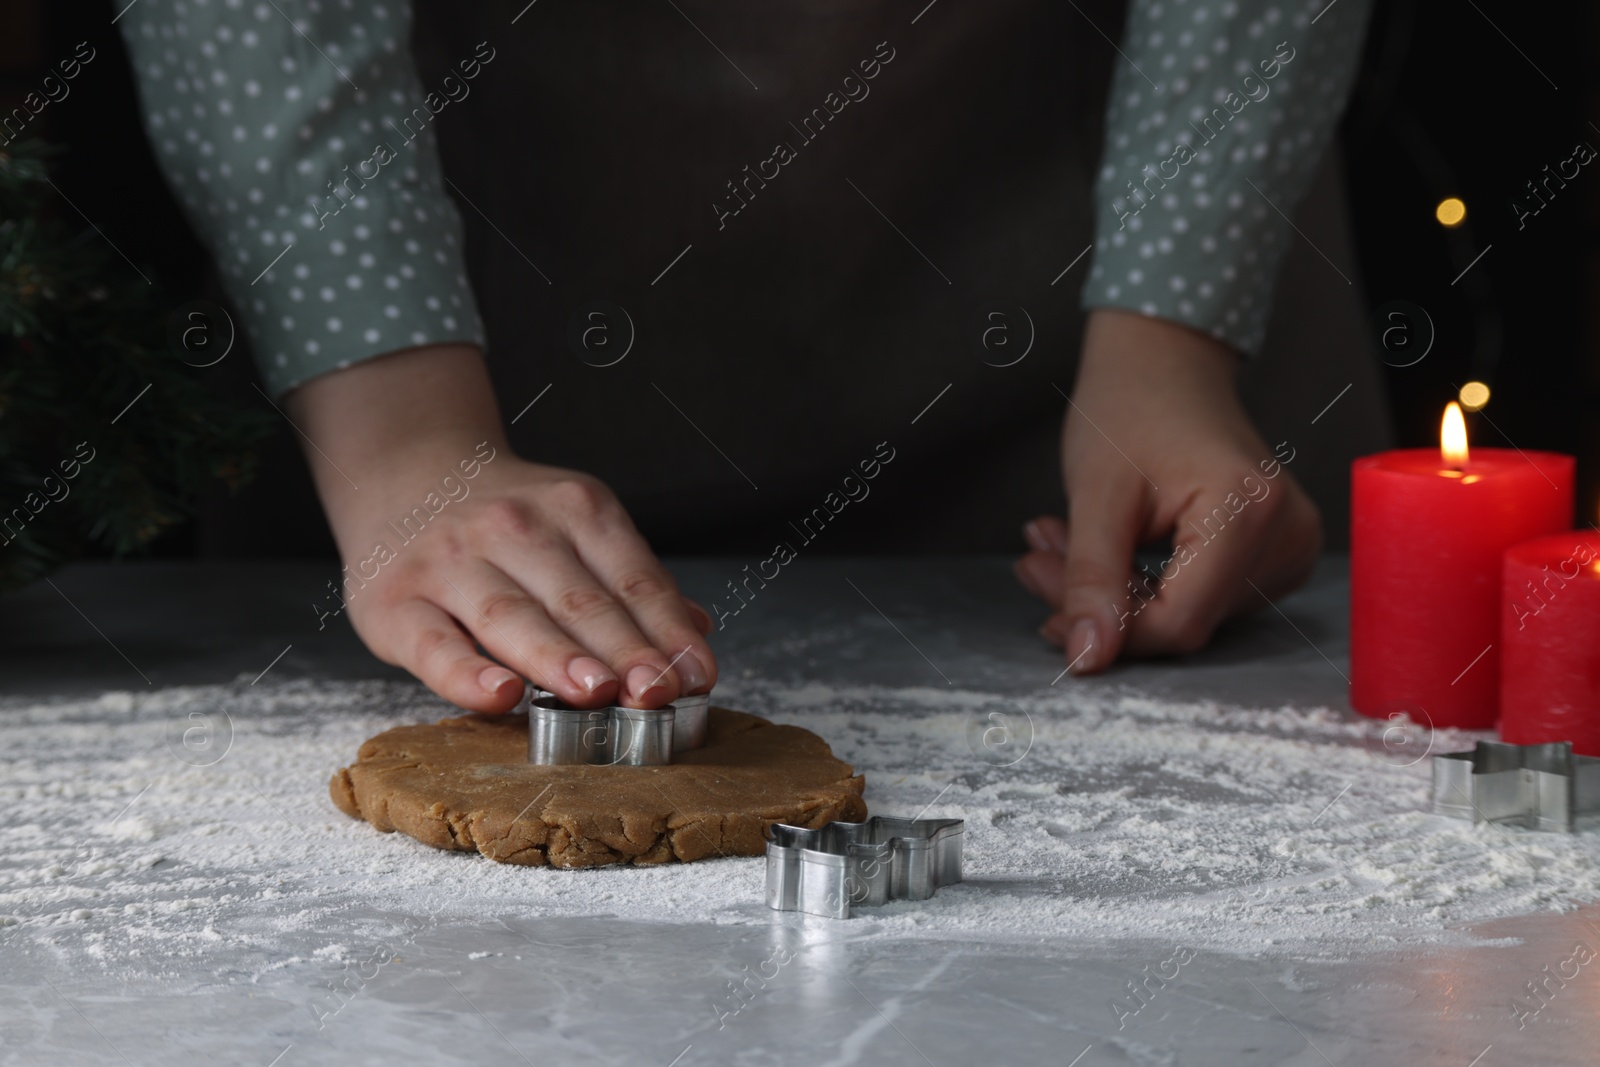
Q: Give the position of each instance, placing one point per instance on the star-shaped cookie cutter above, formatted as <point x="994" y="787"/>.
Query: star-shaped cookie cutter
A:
<point x="1541" y="787"/>
<point x="843" y="865"/>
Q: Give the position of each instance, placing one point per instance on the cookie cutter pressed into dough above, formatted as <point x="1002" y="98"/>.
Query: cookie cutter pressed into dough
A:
<point x="1541" y="787"/>
<point x="631" y="737"/>
<point x="843" y="865"/>
<point x="689" y="721"/>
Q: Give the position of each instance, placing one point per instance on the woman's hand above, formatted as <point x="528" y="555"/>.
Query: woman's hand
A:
<point x="540" y="566"/>
<point x="1157" y="444"/>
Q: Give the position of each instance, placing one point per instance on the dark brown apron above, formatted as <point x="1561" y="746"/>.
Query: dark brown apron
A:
<point x="724" y="346"/>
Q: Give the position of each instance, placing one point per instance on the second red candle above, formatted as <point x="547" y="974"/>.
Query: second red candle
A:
<point x="1426" y="539"/>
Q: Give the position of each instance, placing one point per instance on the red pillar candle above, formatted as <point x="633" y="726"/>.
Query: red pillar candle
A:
<point x="1427" y="531"/>
<point x="1550" y="642"/>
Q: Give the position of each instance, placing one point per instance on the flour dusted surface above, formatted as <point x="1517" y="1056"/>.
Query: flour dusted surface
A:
<point x="144" y="829"/>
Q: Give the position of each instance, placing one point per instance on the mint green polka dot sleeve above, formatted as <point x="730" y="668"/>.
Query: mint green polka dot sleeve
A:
<point x="1220" y="113"/>
<point x="304" y="153"/>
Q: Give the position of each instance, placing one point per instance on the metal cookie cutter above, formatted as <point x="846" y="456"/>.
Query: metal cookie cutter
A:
<point x="689" y="721"/>
<point x="1541" y="787"/>
<point x="530" y="694"/>
<point x="830" y="870"/>
<point x="633" y="737"/>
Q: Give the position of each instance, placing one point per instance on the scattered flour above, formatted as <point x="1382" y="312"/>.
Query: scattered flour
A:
<point x="144" y="830"/>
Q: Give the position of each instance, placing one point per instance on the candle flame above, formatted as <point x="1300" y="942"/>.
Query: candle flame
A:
<point x="1453" y="437"/>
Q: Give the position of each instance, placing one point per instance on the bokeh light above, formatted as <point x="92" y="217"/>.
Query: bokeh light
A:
<point x="1474" y="395"/>
<point x="1450" y="211"/>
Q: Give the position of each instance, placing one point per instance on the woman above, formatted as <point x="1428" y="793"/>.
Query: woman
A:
<point x="728" y="258"/>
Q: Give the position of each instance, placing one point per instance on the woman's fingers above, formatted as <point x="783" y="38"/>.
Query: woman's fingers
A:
<point x="1205" y="580"/>
<point x="1099" y="557"/>
<point x="1039" y="569"/>
<point x="573" y="598"/>
<point x="702" y="617"/>
<point x="510" y="623"/>
<point x="1225" y="562"/>
<point x="428" y="642"/>
<point x="622" y="561"/>
<point x="532" y="545"/>
<point x="1042" y="574"/>
<point x="599" y="622"/>
<point x="546" y="571"/>
<point x="1293" y="544"/>
<point x="1047" y="533"/>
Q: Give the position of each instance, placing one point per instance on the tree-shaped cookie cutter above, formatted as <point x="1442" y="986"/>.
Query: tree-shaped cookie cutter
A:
<point x="630" y="737"/>
<point x="1541" y="787"/>
<point x="843" y="865"/>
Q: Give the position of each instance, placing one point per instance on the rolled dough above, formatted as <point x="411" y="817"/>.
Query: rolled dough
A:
<point x="465" y="784"/>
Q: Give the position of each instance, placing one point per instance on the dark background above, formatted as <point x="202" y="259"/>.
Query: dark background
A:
<point x="1445" y="105"/>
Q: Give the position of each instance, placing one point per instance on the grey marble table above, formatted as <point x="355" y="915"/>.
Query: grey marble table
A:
<point x="596" y="990"/>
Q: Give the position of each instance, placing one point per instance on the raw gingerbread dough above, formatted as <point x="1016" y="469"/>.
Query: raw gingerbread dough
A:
<point x="466" y="784"/>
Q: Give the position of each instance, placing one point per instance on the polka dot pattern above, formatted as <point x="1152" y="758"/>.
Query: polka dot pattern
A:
<point x="331" y="251"/>
<point x="1181" y="234"/>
